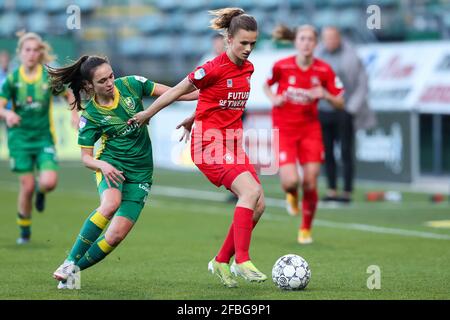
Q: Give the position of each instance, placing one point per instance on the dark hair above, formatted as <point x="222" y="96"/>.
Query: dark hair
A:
<point x="76" y="75"/>
<point x="282" y="32"/>
<point x="231" y="20"/>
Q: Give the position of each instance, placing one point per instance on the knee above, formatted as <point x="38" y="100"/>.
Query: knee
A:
<point x="114" y="237"/>
<point x="310" y="183"/>
<point x="27" y="186"/>
<point x="252" y="194"/>
<point x="259" y="210"/>
<point x="108" y="209"/>
<point x="48" y="185"/>
<point x="289" y="184"/>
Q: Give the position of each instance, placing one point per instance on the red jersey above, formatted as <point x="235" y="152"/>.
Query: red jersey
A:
<point x="224" y="91"/>
<point x="292" y="82"/>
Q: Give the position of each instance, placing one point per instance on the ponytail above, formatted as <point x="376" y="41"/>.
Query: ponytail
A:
<point x="282" y="32"/>
<point x="231" y="20"/>
<point x="76" y="75"/>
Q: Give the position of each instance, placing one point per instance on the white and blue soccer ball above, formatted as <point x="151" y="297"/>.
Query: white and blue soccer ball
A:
<point x="291" y="272"/>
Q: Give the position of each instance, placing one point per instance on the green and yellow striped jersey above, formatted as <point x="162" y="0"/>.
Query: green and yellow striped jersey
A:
<point x="32" y="100"/>
<point x="127" y="147"/>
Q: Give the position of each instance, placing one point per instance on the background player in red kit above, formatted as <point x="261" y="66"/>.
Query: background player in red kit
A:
<point x="216" y="145"/>
<point x="302" y="80"/>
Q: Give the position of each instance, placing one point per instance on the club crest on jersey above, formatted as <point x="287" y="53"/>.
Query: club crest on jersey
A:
<point x="82" y="123"/>
<point x="228" y="158"/>
<point x="292" y="80"/>
<point x="229" y="83"/>
<point x="129" y="102"/>
<point x="45" y="86"/>
<point x="315" y="81"/>
<point x="199" y="74"/>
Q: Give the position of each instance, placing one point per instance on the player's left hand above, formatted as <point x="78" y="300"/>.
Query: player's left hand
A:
<point x="187" y="127"/>
<point x="317" y="93"/>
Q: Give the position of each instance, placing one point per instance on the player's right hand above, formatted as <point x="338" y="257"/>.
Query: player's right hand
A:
<point x="140" y="118"/>
<point x="111" y="174"/>
<point x="12" y="119"/>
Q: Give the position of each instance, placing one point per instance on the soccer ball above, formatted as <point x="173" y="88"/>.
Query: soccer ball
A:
<point x="291" y="272"/>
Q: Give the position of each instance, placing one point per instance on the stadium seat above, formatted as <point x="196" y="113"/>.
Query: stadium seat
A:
<point x="268" y="4"/>
<point x="167" y="5"/>
<point x="247" y="4"/>
<point x="346" y="3"/>
<point x="131" y="47"/>
<point x="216" y="4"/>
<point x="325" y="17"/>
<point x="383" y="3"/>
<point x="175" y="22"/>
<point x="193" y="5"/>
<point x="38" y="22"/>
<point x="351" y="18"/>
<point x="297" y="4"/>
<point x="193" y="46"/>
<point x="86" y="6"/>
<point x="157" y="47"/>
<point x="59" y="24"/>
<point x="10" y="23"/>
<point x="197" y="23"/>
<point x="55" y="6"/>
<point x="150" y="24"/>
<point x="25" y="6"/>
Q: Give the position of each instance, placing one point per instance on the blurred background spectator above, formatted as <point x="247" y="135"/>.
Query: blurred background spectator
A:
<point x="338" y="126"/>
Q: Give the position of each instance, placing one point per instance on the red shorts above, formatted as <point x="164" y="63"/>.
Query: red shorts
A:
<point x="220" y="164"/>
<point x="305" y="144"/>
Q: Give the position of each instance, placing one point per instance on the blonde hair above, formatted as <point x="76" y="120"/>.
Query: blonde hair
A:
<point x="231" y="20"/>
<point x="46" y="49"/>
<point x="282" y="32"/>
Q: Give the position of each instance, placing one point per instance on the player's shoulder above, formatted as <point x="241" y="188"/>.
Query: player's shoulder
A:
<point x="321" y="66"/>
<point x="131" y="79"/>
<point x="89" y="110"/>
<point x="130" y="84"/>
<point x="13" y="76"/>
<point x="286" y="62"/>
<point x="214" y="64"/>
<point x="249" y="65"/>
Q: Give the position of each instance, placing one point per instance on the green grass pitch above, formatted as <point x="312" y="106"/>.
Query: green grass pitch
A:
<point x="166" y="254"/>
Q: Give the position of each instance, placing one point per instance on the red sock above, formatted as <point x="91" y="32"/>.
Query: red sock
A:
<point x="227" y="250"/>
<point x="243" y="226"/>
<point x="309" y="205"/>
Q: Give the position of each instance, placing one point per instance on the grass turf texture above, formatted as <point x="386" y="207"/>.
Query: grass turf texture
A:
<point x="166" y="254"/>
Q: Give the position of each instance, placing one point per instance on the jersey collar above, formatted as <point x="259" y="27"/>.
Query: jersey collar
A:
<point x="28" y="79"/>
<point x="113" y="105"/>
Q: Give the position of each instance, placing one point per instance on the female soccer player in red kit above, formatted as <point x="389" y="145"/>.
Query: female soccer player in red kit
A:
<point x="302" y="80"/>
<point x="216" y="146"/>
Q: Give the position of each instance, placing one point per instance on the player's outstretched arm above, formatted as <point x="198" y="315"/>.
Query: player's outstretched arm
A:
<point x="171" y="95"/>
<point x="160" y="89"/>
